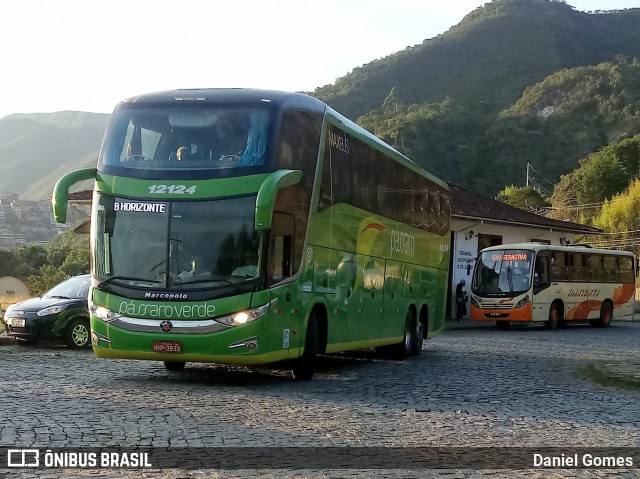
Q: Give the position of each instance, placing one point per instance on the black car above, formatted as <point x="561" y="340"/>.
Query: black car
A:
<point x="61" y="312"/>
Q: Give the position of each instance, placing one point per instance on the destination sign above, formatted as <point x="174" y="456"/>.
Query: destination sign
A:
<point x="139" y="207"/>
<point x="511" y="257"/>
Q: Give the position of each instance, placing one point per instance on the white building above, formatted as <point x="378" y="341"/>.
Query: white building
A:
<point x="478" y="222"/>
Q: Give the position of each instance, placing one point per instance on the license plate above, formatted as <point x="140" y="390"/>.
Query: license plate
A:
<point x="167" y="347"/>
<point x="18" y="323"/>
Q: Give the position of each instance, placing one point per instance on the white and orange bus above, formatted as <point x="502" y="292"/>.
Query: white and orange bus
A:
<point x="530" y="282"/>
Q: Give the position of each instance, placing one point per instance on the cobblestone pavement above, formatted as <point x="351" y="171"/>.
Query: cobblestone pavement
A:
<point x="479" y="387"/>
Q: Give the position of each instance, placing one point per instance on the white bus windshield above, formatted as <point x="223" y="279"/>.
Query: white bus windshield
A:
<point x="503" y="273"/>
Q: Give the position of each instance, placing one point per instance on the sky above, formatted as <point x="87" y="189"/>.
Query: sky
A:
<point x="87" y="56"/>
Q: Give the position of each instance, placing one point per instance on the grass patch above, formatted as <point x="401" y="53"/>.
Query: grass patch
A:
<point x="605" y="378"/>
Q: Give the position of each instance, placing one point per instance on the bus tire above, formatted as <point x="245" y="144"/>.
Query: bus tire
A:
<point x="174" y="365"/>
<point x="403" y="349"/>
<point x="606" y="313"/>
<point x="555" y="316"/>
<point x="504" y="325"/>
<point x="305" y="366"/>
<point x="418" y="338"/>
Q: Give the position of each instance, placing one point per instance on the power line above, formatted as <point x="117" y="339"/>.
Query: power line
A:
<point x="533" y="182"/>
<point x="540" y="175"/>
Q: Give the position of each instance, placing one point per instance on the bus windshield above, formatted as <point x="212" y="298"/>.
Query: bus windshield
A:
<point x="503" y="273"/>
<point x="187" y="138"/>
<point x="172" y="245"/>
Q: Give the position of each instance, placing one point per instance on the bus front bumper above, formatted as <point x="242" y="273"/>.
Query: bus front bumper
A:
<point x="246" y="344"/>
<point x="523" y="314"/>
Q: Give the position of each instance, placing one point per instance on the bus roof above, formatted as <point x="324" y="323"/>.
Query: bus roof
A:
<point x="547" y="247"/>
<point x="228" y="95"/>
<point x="283" y="100"/>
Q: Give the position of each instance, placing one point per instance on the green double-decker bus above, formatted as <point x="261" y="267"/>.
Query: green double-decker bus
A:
<point x="257" y="227"/>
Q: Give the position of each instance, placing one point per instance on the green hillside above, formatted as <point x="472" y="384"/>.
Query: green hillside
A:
<point x="489" y="58"/>
<point x="35" y="150"/>
<point x="553" y="125"/>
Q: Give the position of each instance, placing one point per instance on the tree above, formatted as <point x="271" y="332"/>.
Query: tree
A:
<point x="9" y="263"/>
<point x="31" y="258"/>
<point x="45" y="279"/>
<point x="392" y="103"/>
<point x="622" y="215"/>
<point x="523" y="197"/>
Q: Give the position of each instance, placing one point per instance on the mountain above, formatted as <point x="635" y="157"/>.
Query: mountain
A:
<point x="36" y="149"/>
<point x="553" y="125"/>
<point x="490" y="57"/>
<point x="63" y="119"/>
<point x="515" y="82"/>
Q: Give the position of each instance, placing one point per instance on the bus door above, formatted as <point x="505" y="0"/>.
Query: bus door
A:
<point x="286" y="315"/>
<point x="542" y="295"/>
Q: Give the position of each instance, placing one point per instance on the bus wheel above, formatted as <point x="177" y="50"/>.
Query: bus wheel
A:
<point x="419" y="339"/>
<point x="305" y="365"/>
<point x="174" y="365"/>
<point x="555" y="316"/>
<point x="606" y="313"/>
<point x="503" y="325"/>
<point x="403" y="349"/>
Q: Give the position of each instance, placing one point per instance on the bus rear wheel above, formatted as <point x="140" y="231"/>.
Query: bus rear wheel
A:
<point x="606" y="313"/>
<point x="555" y="316"/>
<point x="419" y="338"/>
<point x="305" y="366"/>
<point x="403" y="349"/>
<point x="174" y="365"/>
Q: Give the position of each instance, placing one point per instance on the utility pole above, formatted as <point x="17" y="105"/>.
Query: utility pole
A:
<point x="527" y="182"/>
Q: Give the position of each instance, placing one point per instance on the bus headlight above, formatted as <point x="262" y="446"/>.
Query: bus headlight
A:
<point x="246" y="316"/>
<point x="474" y="302"/>
<point x="103" y="313"/>
<point x="522" y="302"/>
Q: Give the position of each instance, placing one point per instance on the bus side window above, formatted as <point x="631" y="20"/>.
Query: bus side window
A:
<point x="559" y="266"/>
<point x="596" y="270"/>
<point x="611" y="269"/>
<point x="281" y="247"/>
<point x="626" y="269"/>
<point x="579" y="271"/>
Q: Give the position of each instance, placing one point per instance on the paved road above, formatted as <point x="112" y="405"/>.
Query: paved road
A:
<point x="469" y="388"/>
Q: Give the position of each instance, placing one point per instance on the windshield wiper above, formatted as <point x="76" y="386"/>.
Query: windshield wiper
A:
<point x="214" y="280"/>
<point x="58" y="297"/>
<point x="125" y="278"/>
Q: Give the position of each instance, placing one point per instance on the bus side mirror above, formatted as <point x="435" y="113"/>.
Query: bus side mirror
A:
<point x="267" y="195"/>
<point x="60" y="196"/>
